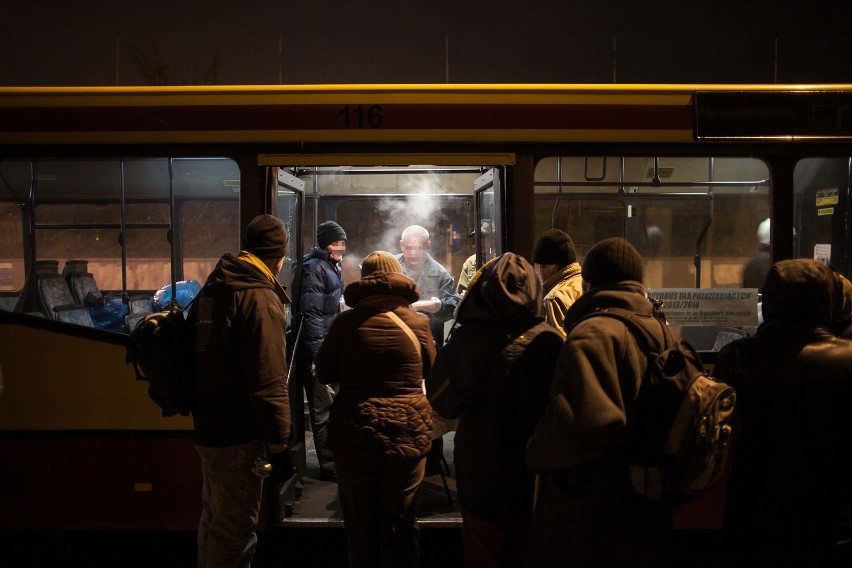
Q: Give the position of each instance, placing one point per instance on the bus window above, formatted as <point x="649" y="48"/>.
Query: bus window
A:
<point x="821" y="216"/>
<point x="208" y="229"/>
<point x="11" y="252"/>
<point x="135" y="223"/>
<point x="674" y="210"/>
<point x="693" y="219"/>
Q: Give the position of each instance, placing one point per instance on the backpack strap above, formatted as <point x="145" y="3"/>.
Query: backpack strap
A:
<point x="631" y="320"/>
<point x="402" y="325"/>
<point x="514" y="350"/>
<point x="637" y="325"/>
<point x="414" y="341"/>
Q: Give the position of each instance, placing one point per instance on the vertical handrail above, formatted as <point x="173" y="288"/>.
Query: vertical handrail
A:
<point x="122" y="235"/>
<point x="172" y="224"/>
<point x="697" y="258"/>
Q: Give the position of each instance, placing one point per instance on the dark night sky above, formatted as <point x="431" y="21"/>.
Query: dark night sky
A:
<point x="44" y="42"/>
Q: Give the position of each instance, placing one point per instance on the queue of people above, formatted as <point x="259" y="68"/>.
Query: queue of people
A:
<point x="543" y="396"/>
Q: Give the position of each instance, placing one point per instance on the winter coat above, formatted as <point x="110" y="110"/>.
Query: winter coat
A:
<point x="319" y="291"/>
<point x="380" y="404"/>
<point x="586" y="513"/>
<point x="560" y="291"/>
<point x="435" y="282"/>
<point x="494" y="375"/>
<point x="467" y="273"/>
<point x="241" y="393"/>
<point x="792" y="460"/>
<point x="841" y="323"/>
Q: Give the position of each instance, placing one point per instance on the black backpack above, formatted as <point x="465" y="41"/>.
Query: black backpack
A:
<point x="678" y="439"/>
<point x="160" y="348"/>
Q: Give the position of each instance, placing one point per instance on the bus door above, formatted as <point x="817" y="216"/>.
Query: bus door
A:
<point x="289" y="207"/>
<point x="488" y="217"/>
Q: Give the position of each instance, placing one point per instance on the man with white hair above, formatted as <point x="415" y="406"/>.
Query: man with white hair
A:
<point x="437" y="287"/>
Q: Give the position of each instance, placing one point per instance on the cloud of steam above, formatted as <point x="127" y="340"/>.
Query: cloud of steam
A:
<point x="416" y="203"/>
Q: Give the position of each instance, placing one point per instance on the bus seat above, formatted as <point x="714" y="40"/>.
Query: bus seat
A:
<point x="141" y="304"/>
<point x="75" y="267"/>
<point x="132" y="319"/>
<point x="56" y="297"/>
<point x="84" y="285"/>
<point x="30" y="299"/>
<point x="81" y="281"/>
<point x="75" y="314"/>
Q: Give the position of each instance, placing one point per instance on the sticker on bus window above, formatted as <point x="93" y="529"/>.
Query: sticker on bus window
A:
<point x="734" y="307"/>
<point x="829" y="196"/>
<point x="822" y="253"/>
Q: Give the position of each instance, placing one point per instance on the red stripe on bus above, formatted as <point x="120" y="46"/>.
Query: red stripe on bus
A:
<point x="348" y="117"/>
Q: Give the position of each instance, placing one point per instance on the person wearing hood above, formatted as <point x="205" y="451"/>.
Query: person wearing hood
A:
<point x="379" y="353"/>
<point x="841" y="324"/>
<point x="555" y="261"/>
<point x="792" y="461"/>
<point x="586" y="513"/>
<point x="493" y="375"/>
<point x="241" y="410"/>
<point x="318" y="289"/>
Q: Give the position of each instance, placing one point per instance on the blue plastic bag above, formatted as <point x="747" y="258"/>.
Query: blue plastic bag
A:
<point x="110" y="316"/>
<point x="186" y="291"/>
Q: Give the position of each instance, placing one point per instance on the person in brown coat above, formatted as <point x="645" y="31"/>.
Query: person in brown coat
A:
<point x="380" y="425"/>
<point x="241" y="410"/>
<point x="586" y="513"/>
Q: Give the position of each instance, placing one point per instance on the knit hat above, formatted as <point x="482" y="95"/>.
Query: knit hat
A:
<point x="554" y="247"/>
<point x="328" y="232"/>
<point x="266" y="237"/>
<point x="612" y="260"/>
<point x="379" y="261"/>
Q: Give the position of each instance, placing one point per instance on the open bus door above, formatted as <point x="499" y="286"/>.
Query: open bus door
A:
<point x="289" y="207"/>
<point x="488" y="215"/>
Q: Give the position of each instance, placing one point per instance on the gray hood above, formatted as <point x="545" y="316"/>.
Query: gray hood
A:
<point x="504" y="290"/>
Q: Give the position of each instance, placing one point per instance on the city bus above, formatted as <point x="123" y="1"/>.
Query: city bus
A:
<point x="113" y="200"/>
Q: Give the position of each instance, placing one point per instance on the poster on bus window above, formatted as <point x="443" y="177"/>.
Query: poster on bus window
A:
<point x="733" y="307"/>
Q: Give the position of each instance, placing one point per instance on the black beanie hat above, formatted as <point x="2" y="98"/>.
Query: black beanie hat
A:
<point x="266" y="237"/>
<point x="612" y="260"/>
<point x="328" y="232"/>
<point x="554" y="247"/>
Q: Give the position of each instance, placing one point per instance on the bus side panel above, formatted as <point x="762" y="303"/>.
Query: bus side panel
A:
<point x="93" y="483"/>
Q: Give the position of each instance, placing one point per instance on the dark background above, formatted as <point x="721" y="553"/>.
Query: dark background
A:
<point x="183" y="42"/>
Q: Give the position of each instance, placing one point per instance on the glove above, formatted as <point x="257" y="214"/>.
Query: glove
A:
<point x="282" y="466"/>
